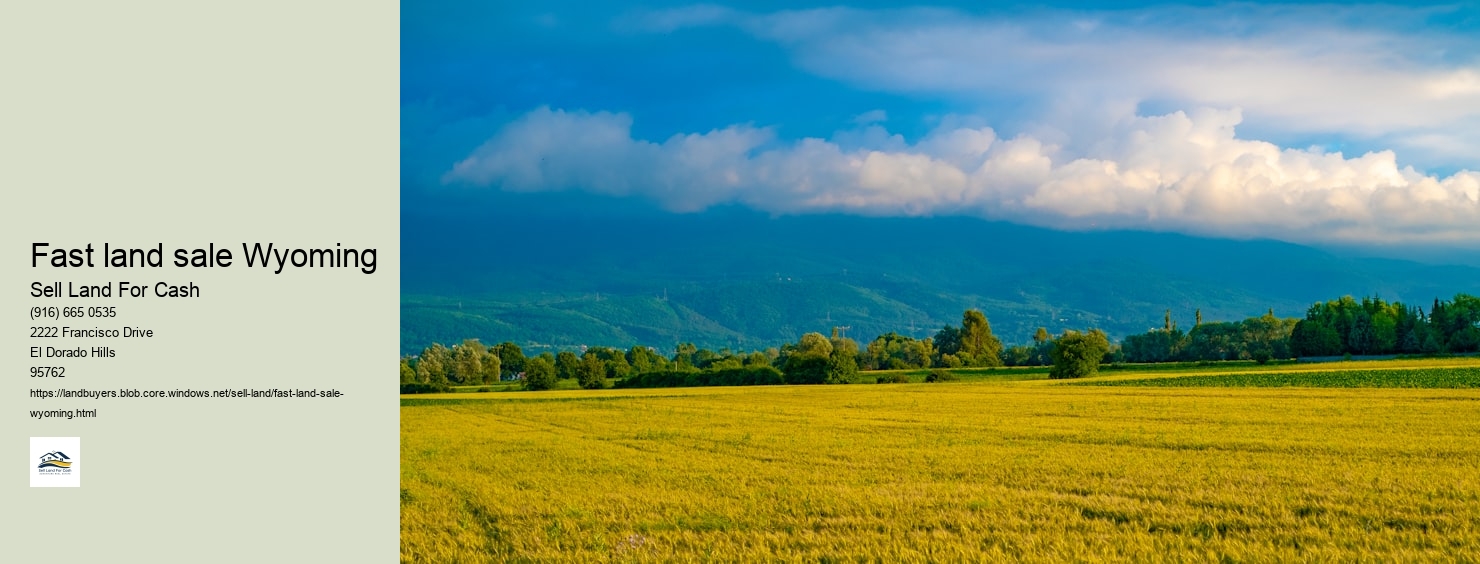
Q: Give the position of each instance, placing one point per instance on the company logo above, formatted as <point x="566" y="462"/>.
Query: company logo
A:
<point x="56" y="462"/>
<point x="56" y="459"/>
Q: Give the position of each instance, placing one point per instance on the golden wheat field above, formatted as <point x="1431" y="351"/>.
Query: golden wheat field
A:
<point x="961" y="471"/>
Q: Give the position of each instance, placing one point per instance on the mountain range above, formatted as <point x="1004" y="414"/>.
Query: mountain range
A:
<point x="743" y="280"/>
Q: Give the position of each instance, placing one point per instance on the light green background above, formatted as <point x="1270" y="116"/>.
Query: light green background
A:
<point x="188" y="123"/>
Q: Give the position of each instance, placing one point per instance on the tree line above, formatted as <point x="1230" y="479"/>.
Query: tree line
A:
<point x="1374" y="326"/>
<point x="1342" y="326"/>
<point x="812" y="359"/>
<point x="1257" y="338"/>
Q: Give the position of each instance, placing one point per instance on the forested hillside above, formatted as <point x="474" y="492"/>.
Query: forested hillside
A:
<point x="745" y="281"/>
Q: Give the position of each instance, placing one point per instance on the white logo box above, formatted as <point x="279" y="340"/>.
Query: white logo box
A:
<point x="55" y="462"/>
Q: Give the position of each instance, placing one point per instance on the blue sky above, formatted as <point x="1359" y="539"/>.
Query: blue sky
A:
<point x="1322" y="124"/>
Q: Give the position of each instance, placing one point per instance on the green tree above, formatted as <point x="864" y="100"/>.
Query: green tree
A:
<point x="1156" y="345"/>
<point x="703" y="358"/>
<point x="492" y="366"/>
<point x="807" y="361"/>
<point x="977" y="340"/>
<point x="408" y="374"/>
<point x="805" y="369"/>
<point x="1041" y="336"/>
<point x="613" y="360"/>
<point x="1076" y="355"/>
<point x="511" y="357"/>
<point x="467" y="362"/>
<point x="1217" y="341"/>
<point x="919" y="352"/>
<point x="815" y="344"/>
<point x="643" y="359"/>
<point x="842" y="362"/>
<point x="431" y="366"/>
<point x="1464" y="313"/>
<point x="539" y="374"/>
<point x="725" y="362"/>
<point x="1362" y="338"/>
<point x="1465" y="340"/>
<point x="1311" y="338"/>
<point x="1384" y="332"/>
<point x="565" y="365"/>
<point x="1266" y="335"/>
<point x="1431" y="344"/>
<point x="683" y="357"/>
<point x="591" y="373"/>
<point x="892" y="351"/>
<point x="757" y="358"/>
<point x="1411" y="342"/>
<point x="1020" y="355"/>
<point x="947" y="341"/>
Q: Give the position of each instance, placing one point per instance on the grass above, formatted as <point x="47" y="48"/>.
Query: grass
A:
<point x="1378" y="368"/>
<point x="982" y="469"/>
<point x="510" y="386"/>
<point x="1449" y="377"/>
<point x="998" y="374"/>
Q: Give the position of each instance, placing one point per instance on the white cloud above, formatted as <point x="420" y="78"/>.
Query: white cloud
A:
<point x="1181" y="172"/>
<point x="557" y="150"/>
<point x="1329" y="70"/>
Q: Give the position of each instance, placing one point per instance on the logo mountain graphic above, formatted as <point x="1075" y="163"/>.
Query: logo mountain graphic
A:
<point x="55" y="459"/>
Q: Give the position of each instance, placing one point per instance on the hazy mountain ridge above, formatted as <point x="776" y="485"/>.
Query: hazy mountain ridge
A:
<point x="747" y="281"/>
